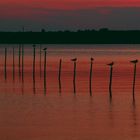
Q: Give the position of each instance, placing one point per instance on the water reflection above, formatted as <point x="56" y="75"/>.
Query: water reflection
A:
<point x="111" y="113"/>
<point x="135" y="131"/>
<point x="60" y="87"/>
<point x="22" y="89"/>
<point x="134" y="100"/>
<point x="110" y="98"/>
<point x="34" y="85"/>
<point x="85" y="116"/>
<point x="45" y="91"/>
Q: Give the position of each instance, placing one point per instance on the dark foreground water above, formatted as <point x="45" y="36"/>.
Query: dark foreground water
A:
<point x="35" y="108"/>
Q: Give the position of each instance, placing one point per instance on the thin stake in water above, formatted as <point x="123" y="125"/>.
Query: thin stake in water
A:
<point x="22" y="63"/>
<point x="34" y="57"/>
<point x="90" y="77"/>
<point x="5" y="65"/>
<point x="45" y="49"/>
<point x="13" y="63"/>
<point x="22" y="57"/>
<point x="110" y="82"/>
<point x="74" y="75"/>
<point x="19" y="56"/>
<point x="40" y="61"/>
<point x="134" y="78"/>
<point x="59" y="75"/>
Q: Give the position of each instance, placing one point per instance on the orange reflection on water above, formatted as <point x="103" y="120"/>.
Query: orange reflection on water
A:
<point x="25" y="113"/>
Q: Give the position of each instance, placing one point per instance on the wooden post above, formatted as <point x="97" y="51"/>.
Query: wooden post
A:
<point x="13" y="63"/>
<point x="59" y="75"/>
<point x="34" y="89"/>
<point x="19" y="56"/>
<point x="40" y="62"/>
<point x="110" y="82"/>
<point x="22" y="63"/>
<point x="45" y="64"/>
<point x="74" y="75"/>
<point x="5" y="65"/>
<point x="90" y="77"/>
<point x="134" y="77"/>
<point x="45" y="70"/>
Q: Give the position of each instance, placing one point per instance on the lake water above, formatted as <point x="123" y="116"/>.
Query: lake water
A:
<point x="34" y="107"/>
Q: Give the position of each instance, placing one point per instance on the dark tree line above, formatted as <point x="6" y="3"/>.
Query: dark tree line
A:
<point x="103" y="36"/>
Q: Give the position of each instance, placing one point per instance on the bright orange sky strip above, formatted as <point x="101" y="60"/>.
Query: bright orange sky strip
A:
<point x="68" y="4"/>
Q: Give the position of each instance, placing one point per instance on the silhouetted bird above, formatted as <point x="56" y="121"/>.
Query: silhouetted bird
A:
<point x="91" y="59"/>
<point x="34" y="45"/>
<point x="111" y="64"/>
<point x="74" y="59"/>
<point x="134" y="61"/>
<point x="44" y="49"/>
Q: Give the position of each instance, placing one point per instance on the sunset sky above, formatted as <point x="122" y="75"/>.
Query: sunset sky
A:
<point x="69" y="14"/>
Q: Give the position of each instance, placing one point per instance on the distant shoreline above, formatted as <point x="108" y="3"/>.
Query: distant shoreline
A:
<point x="103" y="36"/>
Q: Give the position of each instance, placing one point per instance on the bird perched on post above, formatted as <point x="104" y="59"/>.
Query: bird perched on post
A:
<point x="111" y="64"/>
<point x="44" y="49"/>
<point x="91" y="59"/>
<point x="134" y="61"/>
<point x="75" y="59"/>
<point x="34" y="45"/>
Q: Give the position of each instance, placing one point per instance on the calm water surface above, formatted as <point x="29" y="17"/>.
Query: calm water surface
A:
<point x="35" y="109"/>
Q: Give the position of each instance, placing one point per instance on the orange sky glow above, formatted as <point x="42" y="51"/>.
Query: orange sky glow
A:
<point x="69" y="14"/>
<point x="69" y="4"/>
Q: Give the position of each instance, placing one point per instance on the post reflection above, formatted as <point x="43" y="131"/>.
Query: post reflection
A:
<point x="34" y="85"/>
<point x="135" y="130"/>
<point x="110" y="99"/>
<point x="134" y="101"/>
<point x="22" y="89"/>
<point x="134" y="104"/>
<point x="60" y="87"/>
<point x="45" y="89"/>
<point x="111" y="112"/>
